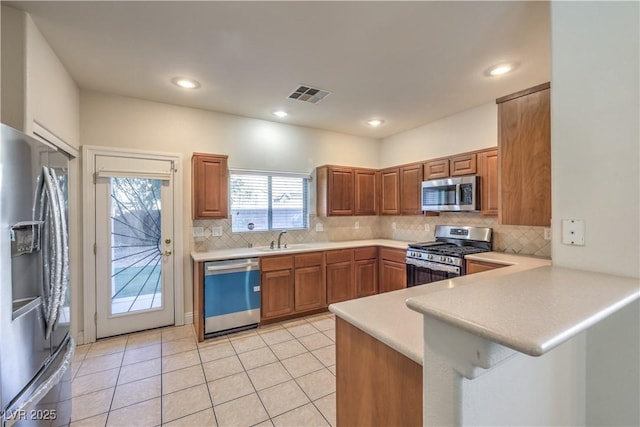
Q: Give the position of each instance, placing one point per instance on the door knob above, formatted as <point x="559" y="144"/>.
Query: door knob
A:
<point x="167" y="253"/>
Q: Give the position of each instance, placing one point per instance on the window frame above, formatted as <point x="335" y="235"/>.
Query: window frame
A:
<point x="306" y="197"/>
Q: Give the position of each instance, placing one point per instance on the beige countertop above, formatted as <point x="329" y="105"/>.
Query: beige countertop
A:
<point x="387" y="318"/>
<point x="531" y="311"/>
<point x="291" y="249"/>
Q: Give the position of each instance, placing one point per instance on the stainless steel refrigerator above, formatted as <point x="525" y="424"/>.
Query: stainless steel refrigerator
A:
<point x="35" y="344"/>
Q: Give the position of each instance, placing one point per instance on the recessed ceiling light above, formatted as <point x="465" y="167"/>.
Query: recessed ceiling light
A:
<point x="375" y="122"/>
<point x="186" y="83"/>
<point x="501" y="69"/>
<point x="280" y="113"/>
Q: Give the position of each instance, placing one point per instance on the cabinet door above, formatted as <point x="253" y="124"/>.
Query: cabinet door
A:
<point x="436" y="169"/>
<point x="480" y="266"/>
<point x="365" y="192"/>
<point x="411" y="185"/>
<point x="339" y="282"/>
<point x="310" y="290"/>
<point x="366" y="277"/>
<point x="393" y="275"/>
<point x="209" y="186"/>
<point x="340" y="195"/>
<point x="390" y="191"/>
<point x="463" y="165"/>
<point x="488" y="172"/>
<point x="524" y="140"/>
<point x="277" y="293"/>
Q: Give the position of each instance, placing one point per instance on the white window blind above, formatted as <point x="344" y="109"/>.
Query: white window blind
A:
<point x="262" y="201"/>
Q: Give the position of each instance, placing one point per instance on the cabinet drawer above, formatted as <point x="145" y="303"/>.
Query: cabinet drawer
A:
<point x="463" y="165"/>
<point x="341" y="255"/>
<point x="306" y="260"/>
<point x="366" y="253"/>
<point x="397" y="255"/>
<point x="273" y="263"/>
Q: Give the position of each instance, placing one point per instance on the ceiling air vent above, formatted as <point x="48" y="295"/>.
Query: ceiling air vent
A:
<point x="310" y="94"/>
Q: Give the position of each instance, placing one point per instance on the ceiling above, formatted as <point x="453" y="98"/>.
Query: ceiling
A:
<point x="408" y="63"/>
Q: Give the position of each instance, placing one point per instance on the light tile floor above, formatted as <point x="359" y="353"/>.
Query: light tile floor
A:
<point x="277" y="375"/>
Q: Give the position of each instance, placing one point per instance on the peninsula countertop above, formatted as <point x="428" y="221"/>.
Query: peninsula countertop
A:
<point x="387" y="318"/>
<point x="531" y="311"/>
<point x="235" y="253"/>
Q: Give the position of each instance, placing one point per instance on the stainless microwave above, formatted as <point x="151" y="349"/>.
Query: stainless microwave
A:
<point x="451" y="194"/>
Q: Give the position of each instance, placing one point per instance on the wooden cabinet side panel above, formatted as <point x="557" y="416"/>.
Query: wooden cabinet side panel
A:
<point x="277" y="293"/>
<point x="322" y="191"/>
<point x="198" y="299"/>
<point x="375" y="385"/>
<point x="411" y="189"/>
<point x="366" y="200"/>
<point x="480" y="266"/>
<point x="525" y="160"/>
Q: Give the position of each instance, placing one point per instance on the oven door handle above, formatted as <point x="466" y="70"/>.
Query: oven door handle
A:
<point x="433" y="266"/>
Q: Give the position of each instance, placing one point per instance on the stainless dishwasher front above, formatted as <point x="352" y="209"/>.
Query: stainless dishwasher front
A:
<point x="231" y="295"/>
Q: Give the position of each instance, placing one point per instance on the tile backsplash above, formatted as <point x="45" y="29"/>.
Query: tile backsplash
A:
<point x="524" y="240"/>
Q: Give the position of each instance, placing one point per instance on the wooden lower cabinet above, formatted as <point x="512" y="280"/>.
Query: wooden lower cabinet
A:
<point x="366" y="271"/>
<point x="310" y="289"/>
<point x="277" y="293"/>
<point x="375" y="385"/>
<point x="340" y="285"/>
<point x="393" y="270"/>
<point x="480" y="266"/>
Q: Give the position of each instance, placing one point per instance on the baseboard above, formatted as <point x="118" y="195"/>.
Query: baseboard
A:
<point x="188" y="318"/>
<point x="80" y="338"/>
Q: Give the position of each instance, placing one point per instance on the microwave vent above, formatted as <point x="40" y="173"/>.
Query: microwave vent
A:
<point x="307" y="93"/>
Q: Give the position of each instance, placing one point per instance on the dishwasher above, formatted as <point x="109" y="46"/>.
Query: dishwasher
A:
<point x="231" y="295"/>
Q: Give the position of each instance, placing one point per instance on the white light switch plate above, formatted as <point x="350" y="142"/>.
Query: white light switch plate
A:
<point x="547" y="233"/>
<point x="216" y="231"/>
<point x="356" y="225"/>
<point x="319" y="227"/>
<point x="573" y="232"/>
<point x="198" y="231"/>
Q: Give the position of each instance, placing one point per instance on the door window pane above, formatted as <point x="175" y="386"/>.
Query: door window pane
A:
<point x="136" y="257"/>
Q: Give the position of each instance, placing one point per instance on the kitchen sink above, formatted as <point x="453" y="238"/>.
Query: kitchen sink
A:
<point x="288" y="248"/>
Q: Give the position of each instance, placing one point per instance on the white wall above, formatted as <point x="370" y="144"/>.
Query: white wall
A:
<point x="116" y="121"/>
<point x="13" y="67"/>
<point x="52" y="97"/>
<point x="595" y="151"/>
<point x="469" y="130"/>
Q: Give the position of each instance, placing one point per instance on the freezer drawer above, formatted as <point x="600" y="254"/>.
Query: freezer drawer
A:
<point x="231" y="295"/>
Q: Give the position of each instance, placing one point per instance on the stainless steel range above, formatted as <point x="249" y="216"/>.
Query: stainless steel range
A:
<point x="444" y="259"/>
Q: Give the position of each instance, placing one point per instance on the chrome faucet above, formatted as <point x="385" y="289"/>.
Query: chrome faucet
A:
<point x="280" y="237"/>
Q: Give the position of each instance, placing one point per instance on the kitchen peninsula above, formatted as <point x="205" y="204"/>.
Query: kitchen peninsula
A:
<point x="473" y="324"/>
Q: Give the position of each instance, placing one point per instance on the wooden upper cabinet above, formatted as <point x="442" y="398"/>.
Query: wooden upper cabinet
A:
<point x="365" y="192"/>
<point x="335" y="191"/>
<point x="390" y="191"/>
<point x="464" y="164"/>
<point x="488" y="172"/>
<point x="436" y="169"/>
<point x="411" y="185"/>
<point x="209" y="186"/>
<point x="524" y="140"/>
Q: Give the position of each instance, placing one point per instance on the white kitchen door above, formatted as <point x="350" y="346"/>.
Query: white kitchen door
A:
<point x="134" y="244"/>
